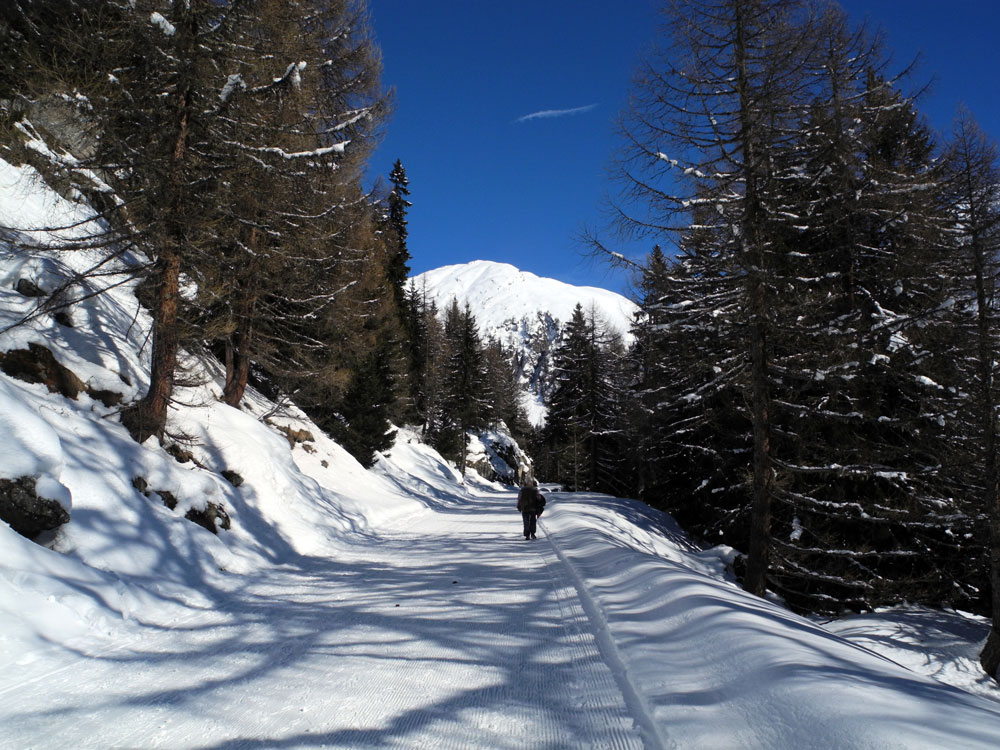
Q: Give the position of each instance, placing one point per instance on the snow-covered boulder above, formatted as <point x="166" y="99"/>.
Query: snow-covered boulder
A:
<point x="28" y="512"/>
<point x="32" y="497"/>
<point x="497" y="457"/>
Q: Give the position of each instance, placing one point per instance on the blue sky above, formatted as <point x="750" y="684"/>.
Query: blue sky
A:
<point x="504" y="112"/>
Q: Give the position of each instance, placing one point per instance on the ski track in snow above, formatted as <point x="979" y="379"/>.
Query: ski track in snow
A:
<point x="447" y="631"/>
<point x="609" y="651"/>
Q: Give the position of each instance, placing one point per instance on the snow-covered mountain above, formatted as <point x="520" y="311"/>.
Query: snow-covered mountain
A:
<point x="525" y="312"/>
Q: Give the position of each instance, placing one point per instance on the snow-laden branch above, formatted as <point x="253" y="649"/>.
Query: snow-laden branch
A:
<point x="162" y="24"/>
<point x="336" y="148"/>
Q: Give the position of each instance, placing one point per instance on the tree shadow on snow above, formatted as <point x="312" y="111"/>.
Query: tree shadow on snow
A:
<point x="487" y="633"/>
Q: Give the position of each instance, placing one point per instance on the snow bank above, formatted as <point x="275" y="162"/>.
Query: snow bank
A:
<point x="716" y="667"/>
<point x="125" y="557"/>
<point x="32" y="448"/>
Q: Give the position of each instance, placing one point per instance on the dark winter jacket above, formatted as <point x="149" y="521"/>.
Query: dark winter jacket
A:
<point x="530" y="500"/>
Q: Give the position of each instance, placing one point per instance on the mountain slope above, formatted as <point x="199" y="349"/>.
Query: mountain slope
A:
<point x="522" y="311"/>
<point x="502" y="296"/>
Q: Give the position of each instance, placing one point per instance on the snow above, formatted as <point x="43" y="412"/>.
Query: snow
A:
<point x="397" y="607"/>
<point x="522" y="311"/>
<point x="499" y="293"/>
<point x="233" y="82"/>
<point x="162" y="24"/>
<point x="27" y="206"/>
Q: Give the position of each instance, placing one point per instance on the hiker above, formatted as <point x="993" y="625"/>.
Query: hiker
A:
<point x="531" y="503"/>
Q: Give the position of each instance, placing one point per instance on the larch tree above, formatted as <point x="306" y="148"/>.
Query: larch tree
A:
<point x="142" y="72"/>
<point x="302" y="103"/>
<point x="862" y="513"/>
<point x="232" y="139"/>
<point x="158" y="148"/>
<point x="501" y="390"/>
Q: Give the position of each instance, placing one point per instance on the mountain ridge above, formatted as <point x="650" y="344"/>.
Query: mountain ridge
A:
<point x="525" y="312"/>
<point x="482" y="282"/>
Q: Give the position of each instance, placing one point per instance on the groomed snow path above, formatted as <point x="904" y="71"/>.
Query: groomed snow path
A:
<point x="448" y="631"/>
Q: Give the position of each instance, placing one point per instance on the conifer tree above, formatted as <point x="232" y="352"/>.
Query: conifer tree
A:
<point x="859" y="399"/>
<point x="362" y="422"/>
<point x="430" y="401"/>
<point x="213" y="117"/>
<point x="462" y="407"/>
<point x="805" y="197"/>
<point x="974" y="166"/>
<point x="157" y="126"/>
<point x="583" y="417"/>
<point x="716" y="108"/>
<point x="399" y="270"/>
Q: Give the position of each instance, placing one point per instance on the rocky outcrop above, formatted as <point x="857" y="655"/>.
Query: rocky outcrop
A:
<point x="212" y="517"/>
<point x="496" y="456"/>
<point x="36" y="364"/>
<point x="67" y="122"/>
<point x="27" y="513"/>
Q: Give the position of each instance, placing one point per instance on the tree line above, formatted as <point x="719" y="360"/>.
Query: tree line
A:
<point x="223" y="147"/>
<point x="812" y="373"/>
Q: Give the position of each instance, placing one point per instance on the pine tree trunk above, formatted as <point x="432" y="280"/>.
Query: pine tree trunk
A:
<point x="989" y="658"/>
<point x="149" y="416"/>
<point x="754" y="256"/>
<point x="758" y="557"/>
<point x="237" y="368"/>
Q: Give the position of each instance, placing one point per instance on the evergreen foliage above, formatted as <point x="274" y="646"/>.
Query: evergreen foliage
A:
<point x="581" y="438"/>
<point x="462" y="404"/>
<point x="233" y="136"/>
<point x="812" y="373"/>
<point x="973" y="165"/>
<point x="398" y="269"/>
<point x="797" y="376"/>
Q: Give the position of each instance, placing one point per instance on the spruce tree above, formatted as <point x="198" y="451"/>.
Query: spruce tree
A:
<point x="362" y="423"/>
<point x="462" y="407"/>
<point x="974" y="165"/>
<point x="398" y="205"/>
<point x="584" y="418"/>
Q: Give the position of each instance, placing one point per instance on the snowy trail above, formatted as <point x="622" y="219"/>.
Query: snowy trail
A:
<point x="449" y="633"/>
<point x="448" y="630"/>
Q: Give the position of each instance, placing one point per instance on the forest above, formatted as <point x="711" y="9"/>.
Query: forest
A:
<point x="810" y="378"/>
